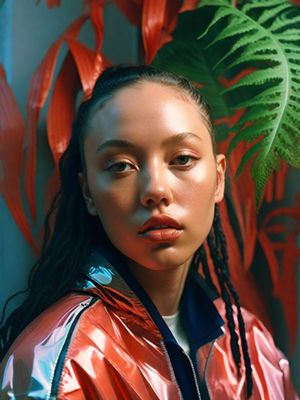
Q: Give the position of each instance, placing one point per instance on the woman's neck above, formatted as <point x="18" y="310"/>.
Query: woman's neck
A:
<point x="163" y="287"/>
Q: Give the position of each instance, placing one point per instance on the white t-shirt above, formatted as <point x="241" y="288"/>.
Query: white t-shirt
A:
<point x="175" y="326"/>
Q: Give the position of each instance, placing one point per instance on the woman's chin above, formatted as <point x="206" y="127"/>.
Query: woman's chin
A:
<point x="161" y="262"/>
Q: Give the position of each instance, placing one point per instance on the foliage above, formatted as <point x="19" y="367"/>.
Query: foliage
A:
<point x="262" y="37"/>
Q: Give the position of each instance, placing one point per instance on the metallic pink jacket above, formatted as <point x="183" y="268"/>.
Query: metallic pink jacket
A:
<point x="106" y="340"/>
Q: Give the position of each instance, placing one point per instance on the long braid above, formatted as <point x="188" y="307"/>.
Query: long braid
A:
<point x="218" y="250"/>
<point x="218" y="262"/>
<point x="205" y="267"/>
<point x="221" y="243"/>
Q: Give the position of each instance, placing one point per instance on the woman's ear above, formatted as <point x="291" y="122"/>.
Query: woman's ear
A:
<point x="220" y="182"/>
<point x="87" y="195"/>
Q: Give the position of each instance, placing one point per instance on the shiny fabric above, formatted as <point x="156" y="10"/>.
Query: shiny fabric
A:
<point x="270" y="369"/>
<point x="101" y="343"/>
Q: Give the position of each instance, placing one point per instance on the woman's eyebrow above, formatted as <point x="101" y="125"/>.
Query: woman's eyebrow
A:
<point x="124" y="144"/>
<point x="127" y="144"/>
<point x="180" y="137"/>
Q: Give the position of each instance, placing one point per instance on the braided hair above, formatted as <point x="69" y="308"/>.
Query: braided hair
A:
<point x="218" y="251"/>
<point x="68" y="240"/>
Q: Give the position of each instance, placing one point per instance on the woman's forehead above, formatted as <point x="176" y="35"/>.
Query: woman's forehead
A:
<point x="153" y="90"/>
<point x="147" y="113"/>
<point x="147" y="99"/>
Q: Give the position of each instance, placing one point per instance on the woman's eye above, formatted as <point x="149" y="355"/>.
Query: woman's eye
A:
<point x="183" y="160"/>
<point x="121" y="166"/>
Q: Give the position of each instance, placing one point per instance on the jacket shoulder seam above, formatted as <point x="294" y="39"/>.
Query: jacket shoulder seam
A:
<point x="63" y="353"/>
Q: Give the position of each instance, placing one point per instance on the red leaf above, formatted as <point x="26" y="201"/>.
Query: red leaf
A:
<point x="243" y="197"/>
<point x="267" y="248"/>
<point x="293" y="212"/>
<point x="275" y="186"/>
<point x="275" y="228"/>
<point x="188" y="5"/>
<point x="89" y="65"/>
<point x="96" y="16"/>
<point x="62" y="105"/>
<point x="50" y="3"/>
<point x="81" y="67"/>
<point x="62" y="108"/>
<point x="234" y="254"/>
<point x="11" y="149"/>
<point x="250" y="229"/>
<point x="230" y="82"/>
<point x="287" y="288"/>
<point x="53" y="3"/>
<point x="132" y="9"/>
<point x="158" y="19"/>
<point x="280" y="177"/>
<point x="153" y="19"/>
<point x="38" y="92"/>
<point x="269" y="195"/>
<point x="230" y="121"/>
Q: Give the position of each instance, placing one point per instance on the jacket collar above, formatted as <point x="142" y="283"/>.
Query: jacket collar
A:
<point x="106" y="276"/>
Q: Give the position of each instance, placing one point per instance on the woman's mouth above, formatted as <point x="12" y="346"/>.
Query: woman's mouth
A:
<point x="161" y="228"/>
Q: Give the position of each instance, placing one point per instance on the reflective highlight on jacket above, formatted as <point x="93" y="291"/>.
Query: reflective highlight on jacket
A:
<point x="106" y="340"/>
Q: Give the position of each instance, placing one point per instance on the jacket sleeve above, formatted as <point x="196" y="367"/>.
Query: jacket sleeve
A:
<point x="270" y="368"/>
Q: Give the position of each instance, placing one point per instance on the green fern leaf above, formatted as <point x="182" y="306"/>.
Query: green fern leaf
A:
<point x="272" y="13"/>
<point x="239" y="44"/>
<point x="274" y="112"/>
<point x="193" y="62"/>
<point x="283" y="23"/>
<point x="263" y="34"/>
<point x="247" y="157"/>
<point x="255" y="79"/>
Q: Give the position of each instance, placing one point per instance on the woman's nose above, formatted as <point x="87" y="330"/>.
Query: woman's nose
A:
<point x="155" y="187"/>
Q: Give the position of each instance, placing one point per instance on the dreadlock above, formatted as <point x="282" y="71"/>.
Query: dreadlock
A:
<point x="218" y="251"/>
<point x="68" y="242"/>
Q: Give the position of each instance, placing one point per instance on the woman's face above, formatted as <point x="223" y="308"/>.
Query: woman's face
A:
<point x="151" y="175"/>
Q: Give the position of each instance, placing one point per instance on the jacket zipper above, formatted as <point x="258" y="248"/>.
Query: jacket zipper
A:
<point x="171" y="369"/>
<point x="173" y="375"/>
<point x="194" y="374"/>
<point x="206" y="365"/>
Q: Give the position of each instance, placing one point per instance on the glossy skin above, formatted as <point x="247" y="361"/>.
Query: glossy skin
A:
<point x="168" y="168"/>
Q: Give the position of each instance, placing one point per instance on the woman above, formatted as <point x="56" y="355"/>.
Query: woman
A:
<point x="116" y="307"/>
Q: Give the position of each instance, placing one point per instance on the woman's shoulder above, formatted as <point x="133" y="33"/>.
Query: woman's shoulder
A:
<point x="257" y="333"/>
<point x="34" y="357"/>
<point x="52" y="323"/>
<point x="270" y="367"/>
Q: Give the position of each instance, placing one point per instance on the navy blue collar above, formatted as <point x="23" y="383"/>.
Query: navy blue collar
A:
<point x="200" y="318"/>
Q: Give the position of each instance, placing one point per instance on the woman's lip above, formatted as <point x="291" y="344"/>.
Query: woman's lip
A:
<point x="162" y="235"/>
<point x="159" y="223"/>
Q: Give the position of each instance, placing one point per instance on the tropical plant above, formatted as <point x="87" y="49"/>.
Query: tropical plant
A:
<point x="245" y="58"/>
<point x="262" y="38"/>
